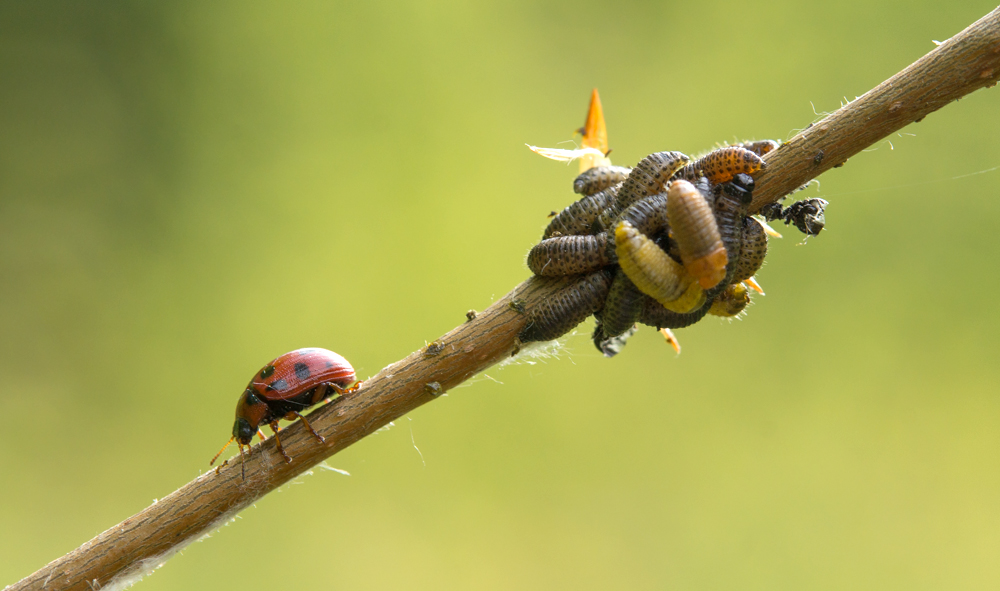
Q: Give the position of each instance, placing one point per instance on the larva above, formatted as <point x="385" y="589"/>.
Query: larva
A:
<point x="655" y="315"/>
<point x="753" y="249"/>
<point x="649" y="177"/>
<point x="560" y="312"/>
<point x="731" y="202"/>
<point x="733" y="300"/>
<point x="569" y="255"/>
<point x="599" y="178"/>
<point x="579" y="217"/>
<point x="622" y="306"/>
<point x="720" y="166"/>
<point x="696" y="233"/>
<point x="653" y="272"/>
<point x="648" y="215"/>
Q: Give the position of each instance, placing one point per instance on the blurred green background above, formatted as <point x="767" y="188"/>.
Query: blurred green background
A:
<point x="190" y="189"/>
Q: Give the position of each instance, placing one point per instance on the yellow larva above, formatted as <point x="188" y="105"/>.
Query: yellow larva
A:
<point x="733" y="300"/>
<point x="654" y="272"/>
<point x="696" y="233"/>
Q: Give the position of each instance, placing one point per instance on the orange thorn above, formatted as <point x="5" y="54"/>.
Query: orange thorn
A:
<point x="752" y="284"/>
<point x="669" y="335"/>
<point x="595" y="134"/>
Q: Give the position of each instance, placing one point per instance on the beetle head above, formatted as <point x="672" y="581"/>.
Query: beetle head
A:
<point x="250" y="413"/>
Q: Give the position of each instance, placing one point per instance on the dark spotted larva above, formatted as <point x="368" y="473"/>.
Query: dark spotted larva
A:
<point x="720" y="166"/>
<point x="752" y="250"/>
<point x="733" y="300"/>
<point x="655" y="315"/>
<point x="696" y="233"/>
<point x="648" y="215"/>
<point x="649" y="177"/>
<point x="560" y="312"/>
<point x="654" y="272"/>
<point x="731" y="202"/>
<point x="579" y="217"/>
<point x="599" y="178"/>
<point x="760" y="147"/>
<point x="569" y="255"/>
<point x="622" y="306"/>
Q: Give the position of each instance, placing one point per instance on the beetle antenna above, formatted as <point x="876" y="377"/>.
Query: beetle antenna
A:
<point x="222" y="450"/>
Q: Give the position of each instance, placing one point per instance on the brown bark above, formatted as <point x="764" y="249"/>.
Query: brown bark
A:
<point x="968" y="61"/>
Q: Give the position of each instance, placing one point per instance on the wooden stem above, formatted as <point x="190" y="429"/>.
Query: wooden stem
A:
<point x="966" y="62"/>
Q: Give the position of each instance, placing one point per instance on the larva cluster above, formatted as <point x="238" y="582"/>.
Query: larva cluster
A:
<point x="662" y="244"/>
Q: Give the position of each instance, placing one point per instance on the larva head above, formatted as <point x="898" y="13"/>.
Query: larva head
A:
<point x="733" y="300"/>
<point x="740" y="188"/>
<point x="250" y="413"/>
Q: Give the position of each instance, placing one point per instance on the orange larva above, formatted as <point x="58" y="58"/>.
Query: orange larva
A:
<point x="599" y="178"/>
<point x="733" y="300"/>
<point x="720" y="166"/>
<point x="579" y="217"/>
<point x="570" y="255"/>
<point x="696" y="233"/>
<point x="560" y="312"/>
<point x="654" y="272"/>
<point x="752" y="250"/>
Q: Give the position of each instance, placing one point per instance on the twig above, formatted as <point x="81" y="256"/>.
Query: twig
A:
<point x="968" y="61"/>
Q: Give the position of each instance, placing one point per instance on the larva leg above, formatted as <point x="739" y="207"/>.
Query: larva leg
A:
<point x="599" y="178"/>
<point x="579" y="217"/>
<point x="570" y="255"/>
<point x="696" y="233"/>
<point x="720" y="166"/>
<point x="562" y="311"/>
<point x="753" y="249"/>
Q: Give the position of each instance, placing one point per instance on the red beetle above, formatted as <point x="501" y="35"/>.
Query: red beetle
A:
<point x="293" y="382"/>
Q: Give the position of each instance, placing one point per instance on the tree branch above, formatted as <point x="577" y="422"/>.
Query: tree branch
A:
<point x="966" y="62"/>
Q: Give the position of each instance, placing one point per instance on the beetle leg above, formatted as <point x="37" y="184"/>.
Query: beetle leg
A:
<point x="260" y="433"/>
<point x="293" y="415"/>
<point x="277" y="440"/>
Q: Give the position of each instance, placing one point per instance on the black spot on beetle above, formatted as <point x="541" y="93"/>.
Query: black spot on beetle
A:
<point x="267" y="372"/>
<point x="278" y="385"/>
<point x="302" y="371"/>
